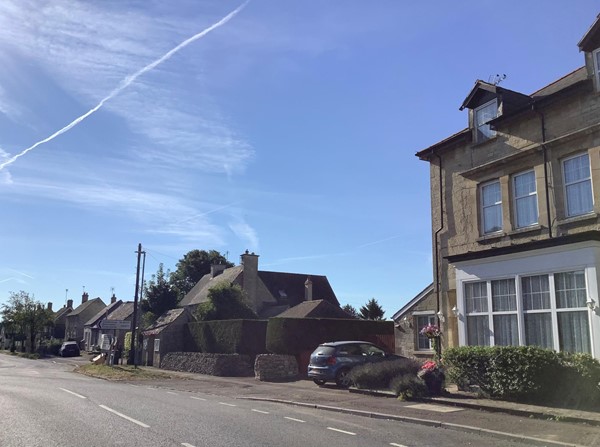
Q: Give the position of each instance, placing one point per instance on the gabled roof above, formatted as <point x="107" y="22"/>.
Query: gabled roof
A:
<point x="408" y="306"/>
<point x="591" y="40"/>
<point x="487" y="91"/>
<point x="291" y="285"/>
<point x="61" y="312"/>
<point x="103" y="313"/>
<point x="199" y="292"/>
<point x="83" y="306"/>
<point x="165" y="320"/>
<point x="124" y="311"/>
<point x="316" y="309"/>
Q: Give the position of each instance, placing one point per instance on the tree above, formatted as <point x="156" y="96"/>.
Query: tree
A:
<point x="159" y="295"/>
<point x="24" y="316"/>
<point x="350" y="309"/>
<point x="192" y="267"/>
<point x="225" y="302"/>
<point x="371" y="311"/>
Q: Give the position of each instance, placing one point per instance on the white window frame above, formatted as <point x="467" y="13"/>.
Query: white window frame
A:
<point x="477" y="125"/>
<point x="565" y="185"/>
<point x="430" y="320"/>
<point x="157" y="345"/>
<point x="483" y="206"/>
<point x="516" y="199"/>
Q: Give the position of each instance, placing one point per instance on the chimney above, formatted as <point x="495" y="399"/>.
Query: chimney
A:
<point x="250" y="278"/>
<point x="70" y="304"/>
<point x="50" y="307"/>
<point x="308" y="296"/>
<point x="216" y="270"/>
<point x="113" y="299"/>
<point x="84" y="297"/>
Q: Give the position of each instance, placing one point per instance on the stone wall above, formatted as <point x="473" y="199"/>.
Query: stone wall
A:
<point x="275" y="367"/>
<point x="224" y="365"/>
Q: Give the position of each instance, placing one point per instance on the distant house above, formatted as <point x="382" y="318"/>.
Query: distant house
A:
<point x="77" y="318"/>
<point x="124" y="312"/>
<point x="60" y="320"/>
<point x="316" y="309"/>
<point x="410" y="319"/>
<point x="165" y="335"/>
<point x="92" y="330"/>
<point x="267" y="293"/>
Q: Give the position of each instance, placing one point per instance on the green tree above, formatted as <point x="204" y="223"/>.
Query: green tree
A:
<point x="192" y="267"/>
<point x="26" y="317"/>
<point x="371" y="311"/>
<point x="350" y="309"/>
<point x="159" y="295"/>
<point x="225" y="302"/>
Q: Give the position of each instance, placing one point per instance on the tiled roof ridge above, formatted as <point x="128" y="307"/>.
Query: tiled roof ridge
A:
<point x="557" y="80"/>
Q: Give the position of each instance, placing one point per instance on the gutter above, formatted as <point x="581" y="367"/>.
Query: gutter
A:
<point x="437" y="245"/>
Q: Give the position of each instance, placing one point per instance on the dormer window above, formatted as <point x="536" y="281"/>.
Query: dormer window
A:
<point x="481" y="116"/>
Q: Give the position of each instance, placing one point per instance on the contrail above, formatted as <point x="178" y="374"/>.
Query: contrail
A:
<point x="126" y="82"/>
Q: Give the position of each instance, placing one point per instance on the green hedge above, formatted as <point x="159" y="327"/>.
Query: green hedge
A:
<point x="526" y="374"/>
<point x="227" y="336"/>
<point x="379" y="375"/>
<point x="294" y="335"/>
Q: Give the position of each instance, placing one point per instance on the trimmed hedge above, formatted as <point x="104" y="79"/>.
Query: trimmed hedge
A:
<point x="526" y="374"/>
<point x="379" y="375"/>
<point x="227" y="337"/>
<point x="294" y="335"/>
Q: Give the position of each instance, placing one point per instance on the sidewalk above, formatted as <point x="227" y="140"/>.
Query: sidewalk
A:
<point x="533" y="425"/>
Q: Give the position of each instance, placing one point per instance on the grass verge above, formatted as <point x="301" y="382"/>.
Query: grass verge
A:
<point x="121" y="372"/>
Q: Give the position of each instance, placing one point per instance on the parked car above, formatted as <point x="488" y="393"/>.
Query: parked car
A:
<point x="331" y="362"/>
<point x="69" y="349"/>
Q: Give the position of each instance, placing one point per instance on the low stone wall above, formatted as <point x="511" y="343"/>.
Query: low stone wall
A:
<point x="275" y="368"/>
<point x="224" y="365"/>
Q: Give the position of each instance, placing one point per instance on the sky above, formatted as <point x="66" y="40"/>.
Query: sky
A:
<point x="289" y="129"/>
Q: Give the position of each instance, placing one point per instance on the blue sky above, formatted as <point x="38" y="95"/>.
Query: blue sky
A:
<point x="289" y="131"/>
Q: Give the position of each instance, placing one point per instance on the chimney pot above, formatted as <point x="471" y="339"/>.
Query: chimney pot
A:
<point x="84" y="297"/>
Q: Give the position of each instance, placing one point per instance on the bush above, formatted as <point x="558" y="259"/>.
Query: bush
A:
<point x="227" y="337"/>
<point x="380" y="375"/>
<point x="526" y="374"/>
<point x="408" y="387"/>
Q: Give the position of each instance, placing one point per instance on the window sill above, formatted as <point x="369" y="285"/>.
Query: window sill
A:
<point x="526" y="230"/>
<point x="424" y="352"/>
<point x="491" y="237"/>
<point x="578" y="219"/>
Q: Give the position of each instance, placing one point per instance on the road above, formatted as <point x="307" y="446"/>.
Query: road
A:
<point x="43" y="403"/>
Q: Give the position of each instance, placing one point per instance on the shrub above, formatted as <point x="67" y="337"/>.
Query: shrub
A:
<point x="380" y="375"/>
<point x="408" y="387"/>
<point x="227" y="336"/>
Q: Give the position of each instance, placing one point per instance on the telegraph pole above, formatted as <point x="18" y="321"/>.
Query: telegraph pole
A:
<point x="132" y="348"/>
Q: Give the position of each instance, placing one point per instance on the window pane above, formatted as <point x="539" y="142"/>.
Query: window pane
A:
<point x="577" y="168"/>
<point x="492" y="218"/>
<point x="525" y="199"/>
<point x="536" y="292"/>
<point x="482" y="116"/>
<point x="538" y="330"/>
<point x="574" y="332"/>
<point x="503" y="295"/>
<point x="570" y="290"/>
<point x="478" y="331"/>
<point x="476" y="297"/>
<point x="491" y="200"/>
<point x="491" y="194"/>
<point x="506" y="330"/>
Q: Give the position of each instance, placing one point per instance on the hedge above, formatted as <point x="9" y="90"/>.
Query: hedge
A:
<point x="294" y="335"/>
<point x="227" y="336"/>
<point x="526" y="374"/>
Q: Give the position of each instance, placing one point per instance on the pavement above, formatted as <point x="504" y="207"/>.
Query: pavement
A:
<point x="529" y="424"/>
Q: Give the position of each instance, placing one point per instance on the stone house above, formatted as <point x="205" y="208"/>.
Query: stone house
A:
<point x="167" y="334"/>
<point x="60" y="320"/>
<point x="77" y="318"/>
<point x="267" y="293"/>
<point x="92" y="329"/>
<point x="410" y="319"/>
<point x="515" y="201"/>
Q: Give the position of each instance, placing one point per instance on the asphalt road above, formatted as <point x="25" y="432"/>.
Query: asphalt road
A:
<point x="43" y="403"/>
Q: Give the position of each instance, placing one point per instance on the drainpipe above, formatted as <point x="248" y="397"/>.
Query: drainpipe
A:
<point x="437" y="245"/>
<point x="545" y="155"/>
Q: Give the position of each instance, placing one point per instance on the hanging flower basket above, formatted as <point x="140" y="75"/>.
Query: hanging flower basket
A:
<point x="431" y="331"/>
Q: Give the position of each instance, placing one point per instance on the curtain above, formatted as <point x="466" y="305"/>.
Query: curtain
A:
<point x="492" y="207"/>
<point x="578" y="185"/>
<point x="506" y="330"/>
<point x="535" y="292"/>
<point x="478" y="330"/>
<point x="504" y="295"/>
<point x="574" y="332"/>
<point x="476" y="297"/>
<point x="570" y="290"/>
<point x="526" y="199"/>
<point x="538" y="330"/>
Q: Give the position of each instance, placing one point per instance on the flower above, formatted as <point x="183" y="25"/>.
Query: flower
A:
<point x="431" y="331"/>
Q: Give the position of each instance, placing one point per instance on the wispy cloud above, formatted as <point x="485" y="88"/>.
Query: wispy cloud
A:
<point x="246" y="233"/>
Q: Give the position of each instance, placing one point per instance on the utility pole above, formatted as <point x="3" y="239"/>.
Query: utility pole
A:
<point x="132" y="348"/>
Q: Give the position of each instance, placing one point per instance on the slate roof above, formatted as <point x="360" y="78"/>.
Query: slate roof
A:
<point x="164" y="320"/>
<point x="422" y="295"/>
<point x="83" y="306"/>
<point x="103" y="313"/>
<point x="60" y="313"/>
<point x="199" y="292"/>
<point x="316" y="309"/>
<point x="124" y="311"/>
<point x="292" y="284"/>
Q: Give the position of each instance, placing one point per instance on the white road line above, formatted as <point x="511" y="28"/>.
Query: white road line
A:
<point x="141" y="424"/>
<point x="131" y="384"/>
<point x="397" y="445"/>
<point x="229" y="405"/>
<point x="260" y="411"/>
<point x="185" y="444"/>
<point x="197" y="398"/>
<point x="293" y="419"/>
<point x="74" y="394"/>
<point x="341" y="431"/>
<point x="171" y="392"/>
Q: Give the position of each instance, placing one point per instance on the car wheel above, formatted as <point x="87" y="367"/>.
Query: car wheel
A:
<point x="319" y="381"/>
<point x="342" y="379"/>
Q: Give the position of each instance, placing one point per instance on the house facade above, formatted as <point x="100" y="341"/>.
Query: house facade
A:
<point x="76" y="319"/>
<point x="515" y="215"/>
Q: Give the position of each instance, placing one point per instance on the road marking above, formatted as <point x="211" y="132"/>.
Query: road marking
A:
<point x="229" y="405"/>
<point x="293" y="419"/>
<point x="260" y="411"/>
<point x="171" y="392"/>
<point x="135" y="386"/>
<point x="341" y="431"/>
<point x="185" y="444"/>
<point x="397" y="445"/>
<point x="141" y="424"/>
<point x="432" y="407"/>
<point x="74" y="394"/>
<point x="197" y="398"/>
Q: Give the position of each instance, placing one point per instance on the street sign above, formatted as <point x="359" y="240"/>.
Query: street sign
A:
<point x="115" y="324"/>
